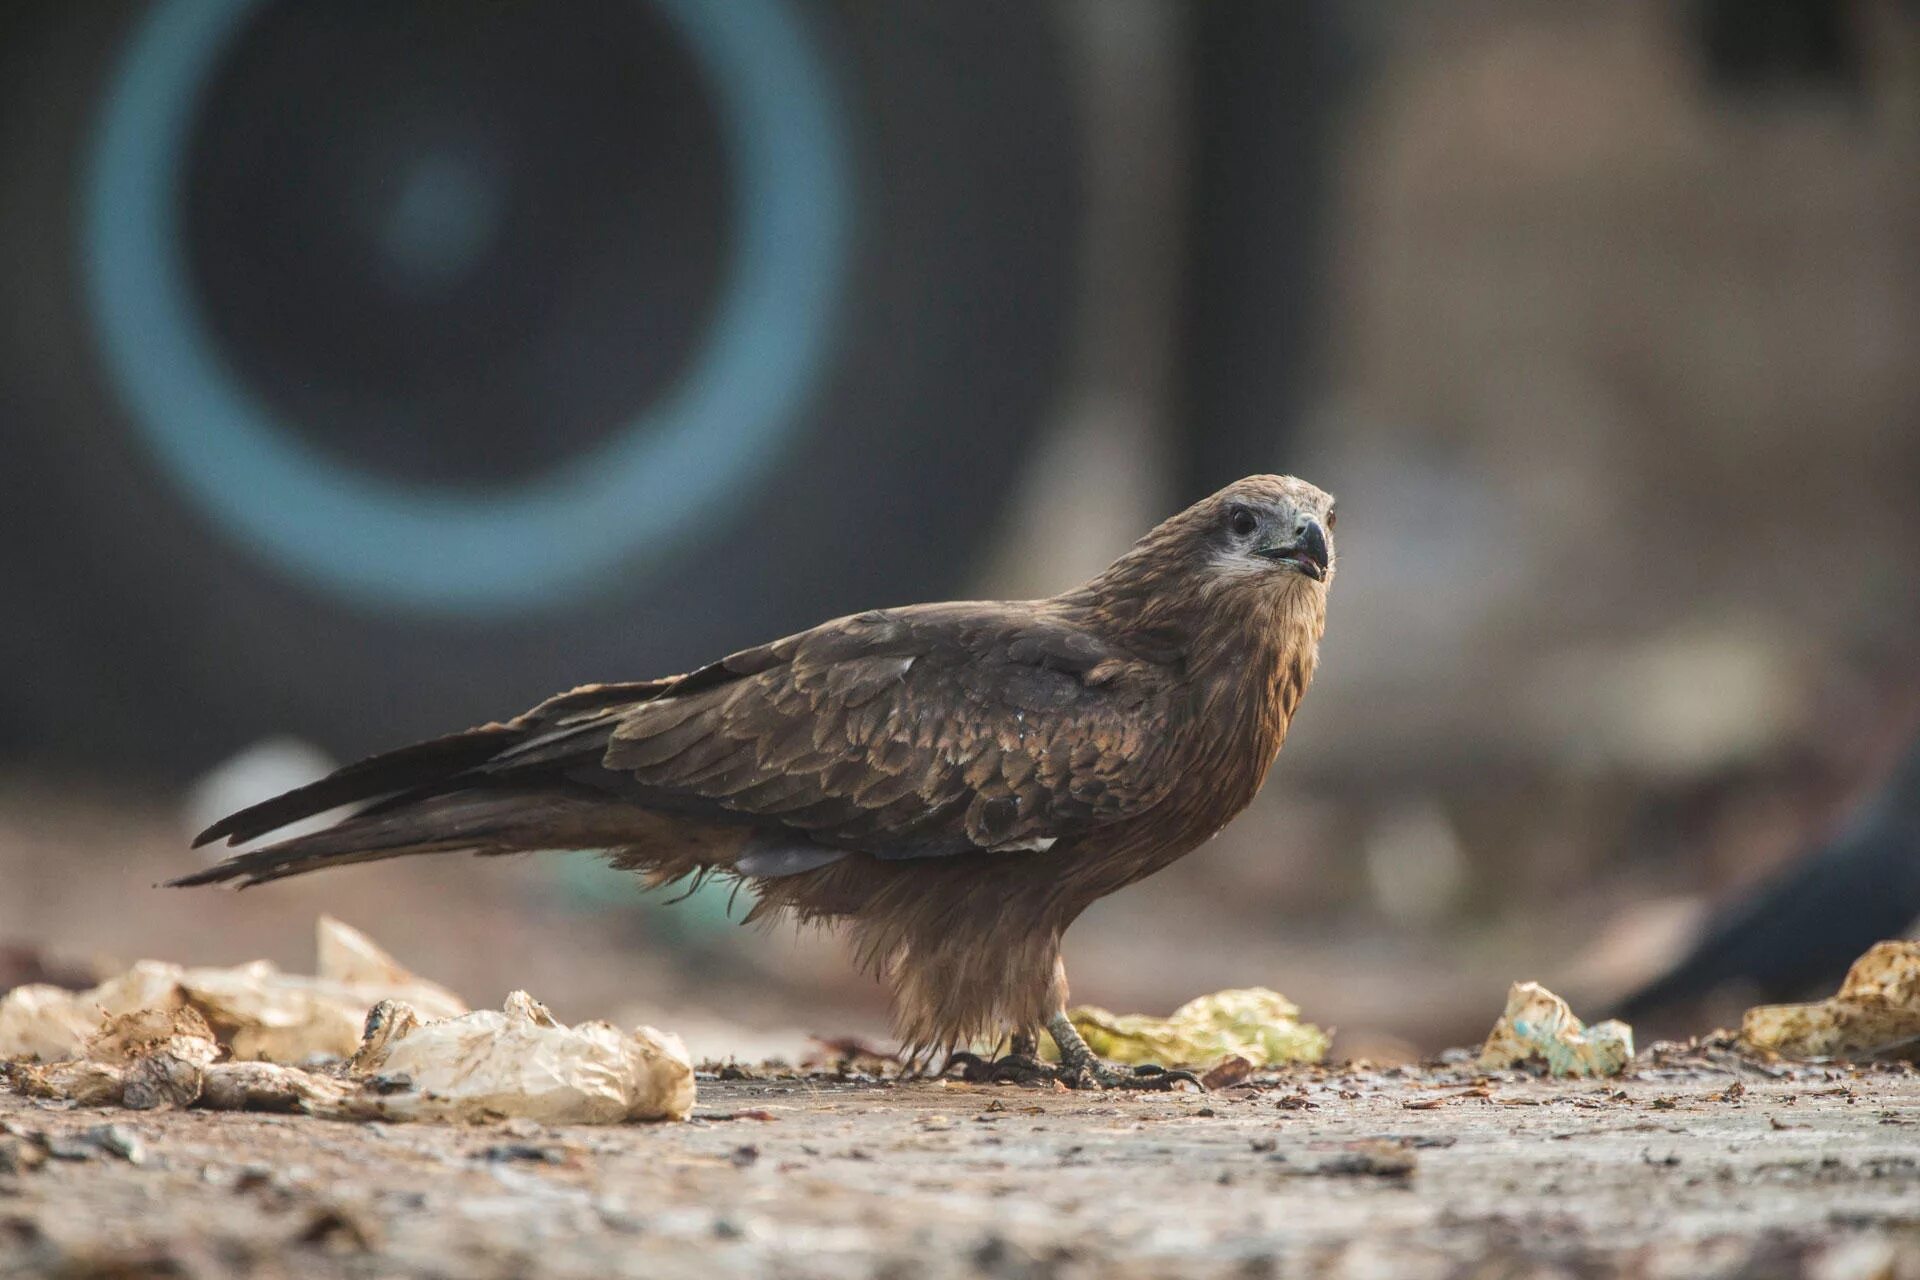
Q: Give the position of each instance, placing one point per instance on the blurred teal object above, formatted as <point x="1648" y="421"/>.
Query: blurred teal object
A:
<point x="584" y="879"/>
<point x="629" y="501"/>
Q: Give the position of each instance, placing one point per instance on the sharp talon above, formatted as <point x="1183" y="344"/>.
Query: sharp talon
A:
<point x="1151" y="1075"/>
<point x="1147" y="1077"/>
<point x="1080" y="1078"/>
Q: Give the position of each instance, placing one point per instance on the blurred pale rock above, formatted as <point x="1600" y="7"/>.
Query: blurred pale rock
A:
<point x="256" y="1011"/>
<point x="260" y="772"/>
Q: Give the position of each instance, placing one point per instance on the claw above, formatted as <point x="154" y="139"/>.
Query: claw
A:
<point x="1147" y="1077"/>
<point x="1151" y="1075"/>
<point x="1080" y="1069"/>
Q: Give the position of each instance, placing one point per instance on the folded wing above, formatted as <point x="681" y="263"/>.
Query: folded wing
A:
<point x="914" y="733"/>
<point x="928" y="732"/>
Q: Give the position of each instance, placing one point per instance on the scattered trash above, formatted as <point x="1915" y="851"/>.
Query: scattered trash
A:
<point x="1539" y="1027"/>
<point x="254" y="1010"/>
<point x="519" y="1062"/>
<point x="522" y="1062"/>
<point x="1875" y="1014"/>
<point x="1227" y="1072"/>
<point x="162" y="1036"/>
<point x="46" y="1022"/>
<point x="1253" y="1023"/>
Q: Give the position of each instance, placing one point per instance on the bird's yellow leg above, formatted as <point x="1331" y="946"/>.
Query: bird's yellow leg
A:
<point x="1081" y="1068"/>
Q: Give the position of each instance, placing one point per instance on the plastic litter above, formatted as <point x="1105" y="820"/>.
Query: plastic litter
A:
<point x="161" y="1036"/>
<point x="518" y="1062"/>
<point x="522" y="1062"/>
<point x="254" y="1010"/>
<point x="1875" y="1014"/>
<point x="1258" y="1025"/>
<point x="1538" y="1026"/>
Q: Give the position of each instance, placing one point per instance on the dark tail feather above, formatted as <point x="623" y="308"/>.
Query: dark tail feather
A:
<point x="510" y="821"/>
<point x="500" y="788"/>
<point x="422" y="764"/>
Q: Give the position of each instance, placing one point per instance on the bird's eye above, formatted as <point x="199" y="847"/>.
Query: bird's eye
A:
<point x="1333" y="518"/>
<point x="1243" y="522"/>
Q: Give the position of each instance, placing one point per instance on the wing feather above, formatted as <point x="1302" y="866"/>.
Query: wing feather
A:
<point x="914" y="733"/>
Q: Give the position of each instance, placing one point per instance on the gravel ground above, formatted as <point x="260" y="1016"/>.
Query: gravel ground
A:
<point x="1693" y="1167"/>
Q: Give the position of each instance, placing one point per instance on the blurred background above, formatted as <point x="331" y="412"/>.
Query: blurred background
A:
<point x="373" y="369"/>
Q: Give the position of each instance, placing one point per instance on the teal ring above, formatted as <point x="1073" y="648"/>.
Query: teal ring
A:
<point x="615" y="510"/>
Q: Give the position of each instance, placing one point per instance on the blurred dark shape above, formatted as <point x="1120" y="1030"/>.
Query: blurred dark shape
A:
<point x="1268" y="81"/>
<point x="443" y="351"/>
<point x="22" y="965"/>
<point x="1758" y="45"/>
<point x="1794" y="935"/>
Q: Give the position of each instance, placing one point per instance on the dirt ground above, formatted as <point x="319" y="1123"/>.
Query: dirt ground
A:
<point x="1695" y="1166"/>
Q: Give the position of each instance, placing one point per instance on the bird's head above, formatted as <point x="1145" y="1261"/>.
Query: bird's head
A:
<point x="1264" y="538"/>
<point x="1264" y="528"/>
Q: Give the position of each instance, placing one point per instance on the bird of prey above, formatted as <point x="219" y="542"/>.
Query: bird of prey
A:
<point x="952" y="783"/>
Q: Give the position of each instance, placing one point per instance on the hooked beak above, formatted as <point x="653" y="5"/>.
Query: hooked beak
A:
<point x="1307" y="552"/>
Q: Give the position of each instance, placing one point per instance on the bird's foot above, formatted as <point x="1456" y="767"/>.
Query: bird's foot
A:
<point x="1081" y="1069"/>
<point x="1078" y="1068"/>
<point x="1014" y="1068"/>
<point x="1148" y="1076"/>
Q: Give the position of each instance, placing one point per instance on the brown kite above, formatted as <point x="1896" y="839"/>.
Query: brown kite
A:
<point x="955" y="783"/>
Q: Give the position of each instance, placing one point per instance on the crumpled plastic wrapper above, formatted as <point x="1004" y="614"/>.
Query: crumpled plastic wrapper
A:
<point x="1260" y="1026"/>
<point x="519" y="1062"/>
<point x="1875" y="1014"/>
<point x="254" y="1010"/>
<point x="1538" y="1026"/>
